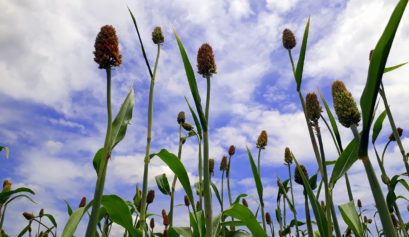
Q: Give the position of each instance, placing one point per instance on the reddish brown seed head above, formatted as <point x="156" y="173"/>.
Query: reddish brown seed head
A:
<point x="151" y="196"/>
<point x="223" y="164"/>
<point x="187" y="201"/>
<point x="152" y="223"/>
<point x="268" y="218"/>
<point x="106" y="48"/>
<point x="262" y="140"/>
<point x="392" y="136"/>
<point x="232" y="150"/>
<point x="28" y="216"/>
<point x="206" y="65"/>
<point x="289" y="41"/>
<point x="83" y="202"/>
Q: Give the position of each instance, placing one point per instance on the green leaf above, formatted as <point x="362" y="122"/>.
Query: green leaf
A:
<point x="6" y="195"/>
<point x="313" y="181"/>
<point x="97" y="159"/>
<point x="23" y="231"/>
<point x="192" y="82"/>
<point x="73" y="222"/>
<point x="375" y="73"/>
<point x="199" y="189"/>
<point x="344" y="162"/>
<point x="69" y="209"/>
<point x="197" y="123"/>
<point x="256" y="177"/>
<point x="163" y="183"/>
<point x="389" y="69"/>
<point x="179" y="170"/>
<point x="123" y="118"/>
<point x="377" y="127"/>
<point x="322" y="222"/>
<point x="300" y="64"/>
<point x="331" y="119"/>
<point x="351" y="218"/>
<point x="216" y="192"/>
<point x="52" y="219"/>
<point x="237" y="200"/>
<point x="243" y="214"/>
<point x="119" y="213"/>
<point x="183" y="231"/>
<point x="6" y="150"/>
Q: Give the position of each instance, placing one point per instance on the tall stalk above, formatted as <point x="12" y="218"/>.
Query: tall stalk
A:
<point x="99" y="188"/>
<point x="380" y="202"/>
<point x="292" y="200"/>
<point x="206" y="181"/>
<point x="172" y="194"/>
<point x="148" y="145"/>
<point x="308" y="216"/>
<point x="394" y="129"/>
<point x="232" y="228"/>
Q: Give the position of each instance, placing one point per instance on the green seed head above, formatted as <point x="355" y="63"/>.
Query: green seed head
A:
<point x="297" y="176"/>
<point x="106" y="48"/>
<point x="6" y="185"/>
<point x="288" y="156"/>
<point x="206" y="65"/>
<point x="288" y="39"/>
<point x="223" y="164"/>
<point x="313" y="108"/>
<point x="262" y="140"/>
<point x="187" y="126"/>
<point x="157" y="36"/>
<point x="344" y="104"/>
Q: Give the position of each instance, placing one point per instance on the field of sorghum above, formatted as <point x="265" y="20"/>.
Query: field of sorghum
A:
<point x="320" y="218"/>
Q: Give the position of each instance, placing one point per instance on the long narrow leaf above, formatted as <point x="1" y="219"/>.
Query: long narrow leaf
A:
<point x="389" y="69"/>
<point x="300" y="63"/>
<point x="122" y="120"/>
<point x="256" y="177"/>
<point x="331" y="119"/>
<point x="344" y="162"/>
<point x="377" y="127"/>
<point x="197" y="123"/>
<point x="375" y="73"/>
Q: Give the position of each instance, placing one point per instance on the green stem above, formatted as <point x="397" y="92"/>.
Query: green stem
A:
<point x="222" y="192"/>
<point x="99" y="188"/>
<point x="307" y="216"/>
<point x="292" y="61"/>
<point x="284" y="214"/>
<point x="48" y="229"/>
<point x="384" y="151"/>
<point x="200" y="166"/>
<point x="148" y="146"/>
<point x="380" y="202"/>
<point x="272" y="230"/>
<point x="292" y="200"/>
<point x="258" y="162"/>
<point x="206" y="181"/>
<point x="232" y="228"/>
<point x="172" y="194"/>
<point x="394" y="129"/>
<point x="328" y="196"/>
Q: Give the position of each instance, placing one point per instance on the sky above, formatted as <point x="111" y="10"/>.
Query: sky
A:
<point x="52" y="98"/>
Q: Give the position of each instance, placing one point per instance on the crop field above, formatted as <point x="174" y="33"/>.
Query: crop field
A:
<point x="204" y="119"/>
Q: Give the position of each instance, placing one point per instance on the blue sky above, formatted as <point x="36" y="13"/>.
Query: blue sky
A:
<point x="53" y="95"/>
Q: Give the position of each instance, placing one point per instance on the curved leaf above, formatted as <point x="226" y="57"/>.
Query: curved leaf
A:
<point x="344" y="162"/>
<point x="377" y="127"/>
<point x="6" y="195"/>
<point x="97" y="159"/>
<point x="256" y="177"/>
<point x="243" y="214"/>
<point x="197" y="123"/>
<point x="73" y="222"/>
<point x="351" y="218"/>
<point x="163" y="183"/>
<point x="300" y="63"/>
<point x="216" y="192"/>
<point x="123" y="118"/>
<point x="331" y="119"/>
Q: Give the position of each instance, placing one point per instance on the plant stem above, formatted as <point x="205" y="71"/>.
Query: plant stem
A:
<point x="148" y="146"/>
<point x="292" y="200"/>
<point x="307" y="216"/>
<point x="388" y="228"/>
<point x="200" y="167"/>
<point x="394" y="129"/>
<point x="99" y="188"/>
<point x="232" y="228"/>
<point x="328" y="196"/>
<point x="258" y="162"/>
<point x="206" y="181"/>
<point x="172" y="194"/>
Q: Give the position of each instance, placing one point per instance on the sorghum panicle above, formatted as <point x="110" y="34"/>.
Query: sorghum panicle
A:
<point x="313" y="108"/>
<point x="344" y="104"/>
<point x="289" y="41"/>
<point x="392" y="137"/>
<point x="211" y="167"/>
<point x="187" y="126"/>
<point x="232" y="150"/>
<point x="28" y="216"/>
<point x="181" y="117"/>
<point x="187" y="201"/>
<point x="262" y="140"/>
<point x="152" y="223"/>
<point x="297" y="176"/>
<point x="244" y="202"/>
<point x="288" y="157"/>
<point x="83" y="202"/>
<point x="206" y="65"/>
<point x="106" y="48"/>
<point x="6" y="185"/>
<point x="223" y="164"/>
<point x="268" y="218"/>
<point x="150" y="196"/>
<point x="157" y="36"/>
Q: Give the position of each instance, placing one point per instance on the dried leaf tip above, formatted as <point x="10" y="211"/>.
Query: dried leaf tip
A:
<point x="106" y="48"/>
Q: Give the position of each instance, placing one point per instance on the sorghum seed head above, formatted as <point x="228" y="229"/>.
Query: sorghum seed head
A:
<point x="198" y="206"/>
<point x="385" y="179"/>
<point x="157" y="35"/>
<point x="211" y="166"/>
<point x="262" y="140"/>
<point x="244" y="202"/>
<point x="344" y="104"/>
<point x="232" y="150"/>
<point x="187" y="201"/>
<point x="313" y="108"/>
<point x="288" y="156"/>
<point x="289" y="41"/>
<point x="359" y="203"/>
<point x="181" y="117"/>
<point x="369" y="221"/>
<point x="392" y="137"/>
<point x="41" y="213"/>
<point x="28" y="216"/>
<point x="268" y="218"/>
<point x="6" y="185"/>
<point x="106" y="48"/>
<point x="152" y="223"/>
<point x="150" y="196"/>
<point x="83" y="202"/>
<point x="187" y="126"/>
<point x="205" y="61"/>
<point x="165" y="218"/>
<point x="297" y="175"/>
<point x="223" y="164"/>
<point x="365" y="219"/>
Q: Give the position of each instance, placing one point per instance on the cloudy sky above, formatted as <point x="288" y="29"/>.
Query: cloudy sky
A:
<point x="52" y="98"/>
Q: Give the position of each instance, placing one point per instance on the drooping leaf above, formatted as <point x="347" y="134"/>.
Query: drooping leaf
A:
<point x="216" y="192"/>
<point x="243" y="214"/>
<point x="375" y="73"/>
<point x="179" y="170"/>
<point x="344" y="162"/>
<point x="192" y="82"/>
<point x="123" y="118"/>
<point x="237" y="200"/>
<point x="300" y="64"/>
<point x="351" y="218"/>
<point x="377" y="127"/>
<point x="6" y="195"/>
<point x="97" y="159"/>
<point x="119" y="213"/>
<point x="183" y="231"/>
<point x="51" y="218"/>
<point x="69" y="209"/>
<point x="163" y="183"/>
